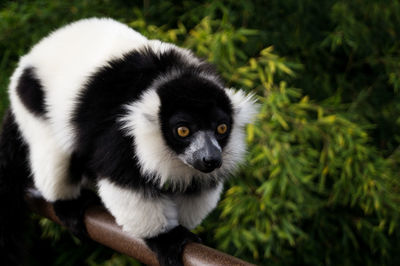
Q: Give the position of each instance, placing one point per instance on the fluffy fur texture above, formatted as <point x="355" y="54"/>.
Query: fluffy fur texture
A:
<point x="97" y="99"/>
<point x="146" y="217"/>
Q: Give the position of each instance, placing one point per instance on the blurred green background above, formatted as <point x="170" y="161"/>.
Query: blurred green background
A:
<point x="321" y="181"/>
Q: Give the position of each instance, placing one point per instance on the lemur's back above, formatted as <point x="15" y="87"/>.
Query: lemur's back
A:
<point x="86" y="45"/>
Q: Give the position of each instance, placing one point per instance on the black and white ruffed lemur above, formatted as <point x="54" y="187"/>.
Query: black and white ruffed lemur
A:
<point x="148" y="123"/>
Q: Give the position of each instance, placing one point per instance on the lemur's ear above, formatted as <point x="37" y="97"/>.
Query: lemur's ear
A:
<point x="244" y="105"/>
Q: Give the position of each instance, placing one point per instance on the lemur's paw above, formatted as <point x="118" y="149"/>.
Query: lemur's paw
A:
<point x="71" y="212"/>
<point x="169" y="246"/>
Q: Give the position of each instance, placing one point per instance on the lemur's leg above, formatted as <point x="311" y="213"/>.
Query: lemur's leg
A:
<point x="169" y="245"/>
<point x="152" y="218"/>
<point x="71" y="212"/>
<point x="52" y="172"/>
<point x="49" y="161"/>
<point x="191" y="211"/>
<point x="50" y="167"/>
<point x="194" y="208"/>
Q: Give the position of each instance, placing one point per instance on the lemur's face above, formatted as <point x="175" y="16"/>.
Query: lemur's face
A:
<point x="200" y="138"/>
<point x="196" y="121"/>
<point x="188" y="127"/>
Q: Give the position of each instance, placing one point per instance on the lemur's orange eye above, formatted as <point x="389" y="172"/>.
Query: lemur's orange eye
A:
<point x="222" y="128"/>
<point x="183" y="131"/>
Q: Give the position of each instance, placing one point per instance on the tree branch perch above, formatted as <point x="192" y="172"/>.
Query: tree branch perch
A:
<point x="102" y="228"/>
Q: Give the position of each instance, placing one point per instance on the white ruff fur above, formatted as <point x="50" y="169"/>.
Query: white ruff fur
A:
<point x="244" y="112"/>
<point x="158" y="161"/>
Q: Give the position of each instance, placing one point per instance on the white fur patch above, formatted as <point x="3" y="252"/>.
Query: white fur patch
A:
<point x="48" y="162"/>
<point x="244" y="106"/>
<point x="193" y="209"/>
<point x="65" y="59"/>
<point x="147" y="217"/>
<point x="162" y="47"/>
<point x="139" y="216"/>
<point x="244" y="112"/>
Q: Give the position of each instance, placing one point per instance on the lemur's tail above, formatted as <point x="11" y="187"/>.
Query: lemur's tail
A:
<point x="13" y="181"/>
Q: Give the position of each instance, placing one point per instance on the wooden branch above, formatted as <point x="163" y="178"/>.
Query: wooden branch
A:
<point x="102" y="228"/>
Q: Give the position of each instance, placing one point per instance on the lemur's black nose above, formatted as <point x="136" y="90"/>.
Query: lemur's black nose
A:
<point x="209" y="156"/>
<point x="208" y="164"/>
<point x="212" y="162"/>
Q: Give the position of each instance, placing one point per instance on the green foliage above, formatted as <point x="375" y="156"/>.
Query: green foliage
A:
<point x="321" y="182"/>
<point x="312" y="186"/>
<point x="350" y="51"/>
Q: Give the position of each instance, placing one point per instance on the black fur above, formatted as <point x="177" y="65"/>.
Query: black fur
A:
<point x="77" y="168"/>
<point x="169" y="246"/>
<point x="109" y="153"/>
<point x="30" y="91"/>
<point x="14" y="179"/>
<point x="202" y="103"/>
<point x="71" y="212"/>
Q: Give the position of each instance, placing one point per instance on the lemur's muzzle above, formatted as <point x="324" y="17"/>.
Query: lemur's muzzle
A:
<point x="204" y="154"/>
